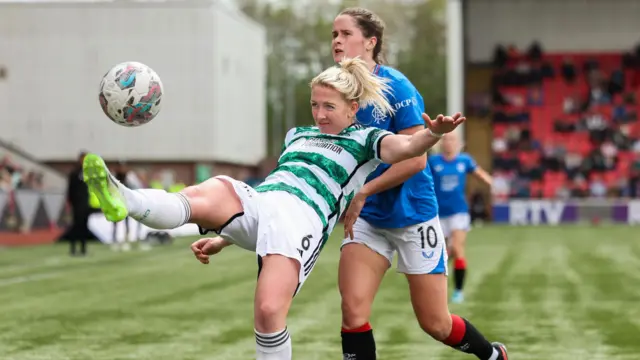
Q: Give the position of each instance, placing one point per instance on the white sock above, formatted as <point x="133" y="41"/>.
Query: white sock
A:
<point x="495" y="354"/>
<point x="157" y="208"/>
<point x="274" y="346"/>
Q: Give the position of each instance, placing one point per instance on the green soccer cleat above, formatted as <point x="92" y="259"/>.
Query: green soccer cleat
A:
<point x="105" y="188"/>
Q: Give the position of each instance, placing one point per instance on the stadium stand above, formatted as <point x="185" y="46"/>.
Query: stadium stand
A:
<point x="565" y="124"/>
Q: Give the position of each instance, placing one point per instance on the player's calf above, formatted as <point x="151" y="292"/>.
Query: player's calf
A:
<point x="358" y="343"/>
<point x="459" y="264"/>
<point x="466" y="338"/>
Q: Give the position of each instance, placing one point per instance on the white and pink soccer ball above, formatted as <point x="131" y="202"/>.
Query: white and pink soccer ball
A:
<point x="131" y="94"/>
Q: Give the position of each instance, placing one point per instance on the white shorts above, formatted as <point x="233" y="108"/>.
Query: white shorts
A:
<point x="276" y="222"/>
<point x="421" y="248"/>
<point x="460" y="221"/>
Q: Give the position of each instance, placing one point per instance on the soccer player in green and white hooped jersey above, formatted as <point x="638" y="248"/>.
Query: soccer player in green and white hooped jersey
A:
<point x="325" y="170"/>
<point x="286" y="219"/>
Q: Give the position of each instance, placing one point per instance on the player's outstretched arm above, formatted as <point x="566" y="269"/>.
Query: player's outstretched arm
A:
<point x="206" y="247"/>
<point x="396" y="148"/>
<point x="484" y="176"/>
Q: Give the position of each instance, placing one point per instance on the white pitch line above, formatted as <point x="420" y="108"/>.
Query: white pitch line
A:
<point x="24" y="279"/>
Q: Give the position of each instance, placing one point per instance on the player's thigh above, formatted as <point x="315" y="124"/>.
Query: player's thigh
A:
<point x="459" y="225"/>
<point x="290" y="228"/>
<point x="214" y="201"/>
<point x="421" y="248"/>
<point x="457" y="243"/>
<point x="276" y="285"/>
<point x="446" y="231"/>
<point x="429" y="300"/>
<point x="363" y="262"/>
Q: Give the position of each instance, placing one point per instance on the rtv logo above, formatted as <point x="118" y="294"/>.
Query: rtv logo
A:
<point x="535" y="212"/>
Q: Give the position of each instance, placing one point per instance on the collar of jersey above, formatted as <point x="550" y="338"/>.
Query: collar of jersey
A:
<point x="353" y="125"/>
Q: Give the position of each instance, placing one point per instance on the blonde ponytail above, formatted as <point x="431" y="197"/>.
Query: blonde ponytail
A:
<point x="356" y="83"/>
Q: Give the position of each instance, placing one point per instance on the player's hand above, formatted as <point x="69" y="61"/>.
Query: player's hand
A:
<point x="206" y="247"/>
<point x="443" y="124"/>
<point x="352" y="213"/>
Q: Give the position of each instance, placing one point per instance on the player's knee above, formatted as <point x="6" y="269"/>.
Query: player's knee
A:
<point x="269" y="312"/>
<point x="191" y="191"/>
<point x="451" y="252"/>
<point x="438" y="327"/>
<point x="355" y="311"/>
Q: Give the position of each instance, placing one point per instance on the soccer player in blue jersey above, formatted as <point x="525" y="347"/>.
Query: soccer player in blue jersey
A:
<point x="449" y="170"/>
<point x="395" y="211"/>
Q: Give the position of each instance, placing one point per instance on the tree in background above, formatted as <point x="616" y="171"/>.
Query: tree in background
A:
<point x="299" y="46"/>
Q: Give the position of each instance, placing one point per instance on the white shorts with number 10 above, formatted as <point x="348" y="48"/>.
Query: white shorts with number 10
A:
<point x="421" y="248"/>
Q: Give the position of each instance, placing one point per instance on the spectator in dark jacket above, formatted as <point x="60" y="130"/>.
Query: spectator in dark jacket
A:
<point x="78" y="198"/>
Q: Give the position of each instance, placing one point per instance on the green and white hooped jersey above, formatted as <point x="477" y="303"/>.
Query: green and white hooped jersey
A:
<point x="326" y="171"/>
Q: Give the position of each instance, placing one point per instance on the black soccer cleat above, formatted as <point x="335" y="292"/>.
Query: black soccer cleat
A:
<point x="502" y="351"/>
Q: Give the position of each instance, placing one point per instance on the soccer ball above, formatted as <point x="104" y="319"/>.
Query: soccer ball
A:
<point x="131" y="94"/>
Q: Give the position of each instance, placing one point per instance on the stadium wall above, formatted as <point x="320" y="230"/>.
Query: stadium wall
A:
<point x="211" y="59"/>
<point x="29" y="216"/>
<point x="565" y="26"/>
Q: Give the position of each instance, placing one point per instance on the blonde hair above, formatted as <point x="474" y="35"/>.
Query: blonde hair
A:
<point x="355" y="82"/>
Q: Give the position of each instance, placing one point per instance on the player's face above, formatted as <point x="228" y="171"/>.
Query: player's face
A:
<point x="331" y="112"/>
<point x="450" y="144"/>
<point x="348" y="40"/>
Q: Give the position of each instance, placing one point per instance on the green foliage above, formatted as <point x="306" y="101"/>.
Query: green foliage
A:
<point x="299" y="43"/>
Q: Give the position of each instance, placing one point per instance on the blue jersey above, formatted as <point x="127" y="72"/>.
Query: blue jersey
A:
<point x="414" y="201"/>
<point x="450" y="178"/>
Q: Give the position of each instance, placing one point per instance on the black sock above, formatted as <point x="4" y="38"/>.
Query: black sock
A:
<point x="358" y="344"/>
<point x="460" y="270"/>
<point x="458" y="278"/>
<point x="466" y="338"/>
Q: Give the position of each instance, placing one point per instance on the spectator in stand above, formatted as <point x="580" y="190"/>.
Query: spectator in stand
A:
<point x="501" y="189"/>
<point x="597" y="188"/>
<point x="636" y="147"/>
<point x="6" y="183"/>
<point x="12" y="173"/>
<point x="535" y="51"/>
<point x="616" y="83"/>
<point x="499" y="145"/>
<point x="568" y="70"/>
<point x="598" y="92"/>
<point x="572" y="163"/>
<point x="534" y="96"/>
<point x="571" y="104"/>
<point x="564" y="126"/>
<point x="590" y="65"/>
<point x="500" y="57"/>
<point x="634" y="179"/>
<point x="478" y="209"/>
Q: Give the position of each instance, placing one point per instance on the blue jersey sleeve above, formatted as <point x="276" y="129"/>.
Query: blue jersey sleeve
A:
<point x="471" y="164"/>
<point x="408" y="105"/>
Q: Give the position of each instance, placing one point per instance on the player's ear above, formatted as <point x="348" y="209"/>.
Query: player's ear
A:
<point x="372" y="42"/>
<point x="353" y="109"/>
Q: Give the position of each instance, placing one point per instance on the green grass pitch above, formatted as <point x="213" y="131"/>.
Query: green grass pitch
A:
<point x="548" y="293"/>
